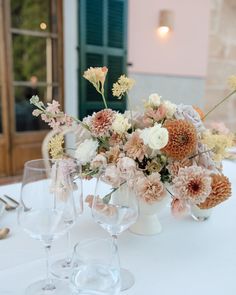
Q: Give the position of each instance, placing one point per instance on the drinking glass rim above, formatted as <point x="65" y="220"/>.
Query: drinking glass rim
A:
<point x="90" y="241"/>
<point x="45" y="161"/>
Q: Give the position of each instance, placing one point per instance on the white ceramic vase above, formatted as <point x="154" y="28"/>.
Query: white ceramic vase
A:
<point x="148" y="222"/>
<point x="199" y="214"/>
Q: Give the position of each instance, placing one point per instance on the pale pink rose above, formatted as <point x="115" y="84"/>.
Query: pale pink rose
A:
<point x="112" y="176"/>
<point x="126" y="167"/>
<point x="179" y="208"/>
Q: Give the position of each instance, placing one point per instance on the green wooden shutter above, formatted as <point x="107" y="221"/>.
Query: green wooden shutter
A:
<point x="102" y="42"/>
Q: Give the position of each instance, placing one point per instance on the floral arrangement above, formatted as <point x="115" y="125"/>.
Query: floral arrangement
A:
<point x="166" y="147"/>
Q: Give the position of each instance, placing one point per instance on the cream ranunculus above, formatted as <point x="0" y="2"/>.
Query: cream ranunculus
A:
<point x="86" y="151"/>
<point x="121" y="124"/>
<point x="155" y="137"/>
<point x="154" y="100"/>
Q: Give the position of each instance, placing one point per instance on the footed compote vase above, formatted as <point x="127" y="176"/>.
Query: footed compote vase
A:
<point x="148" y="222"/>
<point x="199" y="214"/>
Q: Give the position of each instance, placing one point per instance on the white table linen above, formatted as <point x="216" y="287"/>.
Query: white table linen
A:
<point x="188" y="257"/>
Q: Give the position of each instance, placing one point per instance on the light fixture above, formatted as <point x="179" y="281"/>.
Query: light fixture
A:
<point x="43" y="26"/>
<point x="166" y="22"/>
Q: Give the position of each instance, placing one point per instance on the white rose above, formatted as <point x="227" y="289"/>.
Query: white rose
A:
<point x="120" y="124"/>
<point x="154" y="100"/>
<point x="86" y="151"/>
<point x="170" y="108"/>
<point x="155" y="137"/>
<point x="144" y="134"/>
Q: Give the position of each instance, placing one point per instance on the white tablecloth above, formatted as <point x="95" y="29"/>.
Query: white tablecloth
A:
<point x="186" y="258"/>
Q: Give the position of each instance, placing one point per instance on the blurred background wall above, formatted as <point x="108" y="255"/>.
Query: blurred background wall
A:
<point x="175" y="66"/>
<point x="221" y="60"/>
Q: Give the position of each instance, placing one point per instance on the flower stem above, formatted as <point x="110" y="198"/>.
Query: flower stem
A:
<point x="219" y="103"/>
<point x="198" y="154"/>
<point x="104" y="100"/>
<point x="131" y="113"/>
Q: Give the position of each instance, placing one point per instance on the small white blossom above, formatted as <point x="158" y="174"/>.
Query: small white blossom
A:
<point x="154" y="100"/>
<point x="120" y="124"/>
<point x="86" y="151"/>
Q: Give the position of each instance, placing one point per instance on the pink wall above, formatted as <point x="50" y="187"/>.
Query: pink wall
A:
<point x="184" y="52"/>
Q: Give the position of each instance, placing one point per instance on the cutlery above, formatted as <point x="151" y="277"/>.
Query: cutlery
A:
<point x="4" y="232"/>
<point x="11" y="199"/>
<point x="8" y="207"/>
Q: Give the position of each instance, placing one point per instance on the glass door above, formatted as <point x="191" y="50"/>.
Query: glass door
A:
<point x="32" y="41"/>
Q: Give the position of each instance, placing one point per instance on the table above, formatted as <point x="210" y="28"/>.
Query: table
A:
<point x="186" y="258"/>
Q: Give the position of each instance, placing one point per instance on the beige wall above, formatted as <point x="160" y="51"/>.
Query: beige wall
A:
<point x="221" y="60"/>
<point x="184" y="53"/>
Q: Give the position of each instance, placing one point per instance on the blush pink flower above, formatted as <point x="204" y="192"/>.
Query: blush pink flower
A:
<point x="112" y="176"/>
<point x="135" y="147"/>
<point x="54" y="116"/>
<point x="179" y="208"/>
<point x="53" y="107"/>
<point x="154" y="115"/>
<point x="101" y="122"/>
<point x="126" y="167"/>
<point x="150" y="188"/>
<point x="115" y="139"/>
<point x="193" y="184"/>
<point x="99" y="161"/>
<point x="174" y="166"/>
<point x="114" y="154"/>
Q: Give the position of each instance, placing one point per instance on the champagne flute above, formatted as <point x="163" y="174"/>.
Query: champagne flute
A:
<point x="115" y="208"/>
<point x="47" y="211"/>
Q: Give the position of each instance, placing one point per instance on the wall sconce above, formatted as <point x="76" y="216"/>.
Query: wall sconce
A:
<point x="166" y="22"/>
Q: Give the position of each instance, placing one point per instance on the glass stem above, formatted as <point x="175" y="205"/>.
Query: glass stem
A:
<point x="68" y="256"/>
<point x="49" y="286"/>
<point x="115" y="244"/>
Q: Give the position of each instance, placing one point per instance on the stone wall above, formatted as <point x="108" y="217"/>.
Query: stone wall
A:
<point x="221" y="60"/>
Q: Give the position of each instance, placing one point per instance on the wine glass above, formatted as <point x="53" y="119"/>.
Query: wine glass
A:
<point x="47" y="211"/>
<point x="96" y="268"/>
<point x="63" y="268"/>
<point x="115" y="208"/>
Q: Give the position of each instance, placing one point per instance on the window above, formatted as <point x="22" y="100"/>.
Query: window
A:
<point x="35" y="61"/>
<point x="102" y="42"/>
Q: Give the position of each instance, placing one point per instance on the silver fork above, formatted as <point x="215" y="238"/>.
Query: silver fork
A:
<point x="8" y="207"/>
<point x="12" y="200"/>
<point x="17" y="203"/>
